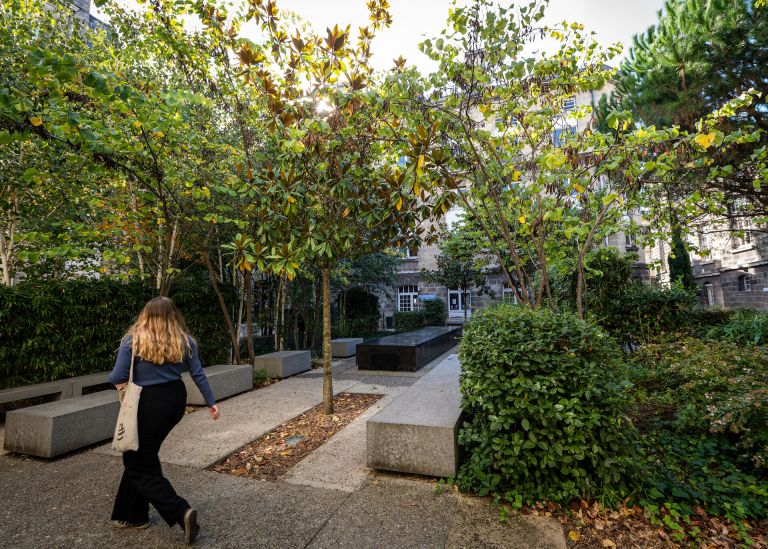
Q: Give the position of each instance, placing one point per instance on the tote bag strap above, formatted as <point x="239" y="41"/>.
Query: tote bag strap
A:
<point x="134" y="346"/>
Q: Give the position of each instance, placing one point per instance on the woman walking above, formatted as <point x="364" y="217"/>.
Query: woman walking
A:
<point x="163" y="349"/>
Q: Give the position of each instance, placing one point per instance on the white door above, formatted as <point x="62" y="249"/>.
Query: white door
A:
<point x="457" y="303"/>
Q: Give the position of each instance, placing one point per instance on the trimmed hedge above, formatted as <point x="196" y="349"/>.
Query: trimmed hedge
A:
<point x="432" y="314"/>
<point x="56" y="329"/>
<point x="546" y="412"/>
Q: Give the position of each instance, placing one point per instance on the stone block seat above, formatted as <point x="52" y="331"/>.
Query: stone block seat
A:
<point x="282" y="364"/>
<point x="408" y="351"/>
<point x="226" y="380"/>
<point x="59" y="389"/>
<point x="55" y="428"/>
<point x="345" y="347"/>
<point x="417" y="432"/>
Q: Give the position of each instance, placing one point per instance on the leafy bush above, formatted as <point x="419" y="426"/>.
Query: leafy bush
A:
<point x="608" y="275"/>
<point x="744" y="326"/>
<point x="644" y="311"/>
<point x="357" y="327"/>
<point x="434" y="312"/>
<point x="704" y="318"/>
<point x="360" y="303"/>
<point x="55" y="329"/>
<point x="545" y="409"/>
<point x="408" y="321"/>
<point x="713" y="388"/>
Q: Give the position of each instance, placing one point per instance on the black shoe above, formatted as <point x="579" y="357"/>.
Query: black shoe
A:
<point x="190" y="525"/>
<point x="125" y="524"/>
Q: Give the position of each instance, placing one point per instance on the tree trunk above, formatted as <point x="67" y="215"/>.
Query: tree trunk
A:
<point x="249" y="316"/>
<point x="579" y="286"/>
<point x="234" y="339"/>
<point x="327" y="377"/>
<point x="315" y="314"/>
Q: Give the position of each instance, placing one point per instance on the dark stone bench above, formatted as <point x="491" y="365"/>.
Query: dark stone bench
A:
<point x="408" y="351"/>
<point x="55" y="428"/>
<point x="417" y="432"/>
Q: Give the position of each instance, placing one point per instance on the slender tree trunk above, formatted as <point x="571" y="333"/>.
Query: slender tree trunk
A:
<point x="327" y="376"/>
<point x="579" y="287"/>
<point x="249" y="316"/>
<point x="234" y="339"/>
<point x="282" y="312"/>
<point x="315" y="314"/>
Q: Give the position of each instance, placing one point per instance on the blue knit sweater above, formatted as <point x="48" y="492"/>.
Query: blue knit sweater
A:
<point x="148" y="373"/>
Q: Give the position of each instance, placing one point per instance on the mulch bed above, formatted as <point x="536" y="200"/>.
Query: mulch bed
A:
<point x="271" y="455"/>
<point x="590" y="525"/>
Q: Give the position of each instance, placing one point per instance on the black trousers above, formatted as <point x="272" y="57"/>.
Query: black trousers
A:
<point x="161" y="407"/>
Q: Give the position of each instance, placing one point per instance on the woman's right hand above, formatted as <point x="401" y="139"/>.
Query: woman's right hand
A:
<point x="214" y="411"/>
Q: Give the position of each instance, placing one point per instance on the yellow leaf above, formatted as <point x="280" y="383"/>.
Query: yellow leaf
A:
<point x="705" y="140"/>
<point x="416" y="188"/>
<point x="516" y="175"/>
<point x="579" y="188"/>
<point x="608" y="543"/>
<point x="399" y="204"/>
<point x="158" y="135"/>
<point x="345" y="213"/>
<point x="574" y="535"/>
<point x="291" y="199"/>
<point x="521" y="219"/>
<point x="36" y="120"/>
<point x="136" y="124"/>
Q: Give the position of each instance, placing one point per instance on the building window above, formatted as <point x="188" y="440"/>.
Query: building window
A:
<point x="741" y="233"/>
<point x="559" y="136"/>
<point x="406" y="298"/>
<point x="745" y="283"/>
<point x="709" y="293"/>
<point x="704" y="241"/>
<point x="409" y="252"/>
<point x="569" y="104"/>
<point x="629" y="240"/>
<point x="508" y="296"/>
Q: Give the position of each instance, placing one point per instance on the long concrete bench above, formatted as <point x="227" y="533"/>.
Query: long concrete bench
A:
<point x="345" y="347"/>
<point x="225" y="379"/>
<point x="61" y="388"/>
<point x="408" y="351"/>
<point x="55" y="428"/>
<point x="285" y="363"/>
<point x="416" y="432"/>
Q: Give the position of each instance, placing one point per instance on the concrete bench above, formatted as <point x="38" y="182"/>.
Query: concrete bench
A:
<point x="416" y="433"/>
<point x="55" y="428"/>
<point x="60" y="389"/>
<point x="285" y="363"/>
<point x="225" y="379"/>
<point x="345" y="347"/>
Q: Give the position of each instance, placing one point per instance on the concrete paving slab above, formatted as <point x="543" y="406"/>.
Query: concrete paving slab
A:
<point x="340" y="463"/>
<point x="390" y="515"/>
<point x="476" y="524"/>
<point x="67" y="503"/>
<point x="200" y="442"/>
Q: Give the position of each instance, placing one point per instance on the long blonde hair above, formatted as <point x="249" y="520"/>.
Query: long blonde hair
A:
<point x="161" y="333"/>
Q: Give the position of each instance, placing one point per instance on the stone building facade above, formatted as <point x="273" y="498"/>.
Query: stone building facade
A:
<point x="730" y="265"/>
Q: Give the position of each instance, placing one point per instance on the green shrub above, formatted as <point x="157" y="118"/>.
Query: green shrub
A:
<point x="408" y="321"/>
<point x="545" y="409"/>
<point x="713" y="388"/>
<point x="644" y="312"/>
<point x="56" y="329"/>
<point x="703" y="318"/>
<point x="744" y="326"/>
<point x="357" y="327"/>
<point x="434" y="312"/>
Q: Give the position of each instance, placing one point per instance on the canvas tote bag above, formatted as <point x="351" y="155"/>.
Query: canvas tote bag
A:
<point x="127" y="429"/>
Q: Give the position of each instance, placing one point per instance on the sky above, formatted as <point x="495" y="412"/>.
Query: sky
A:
<point x="415" y="20"/>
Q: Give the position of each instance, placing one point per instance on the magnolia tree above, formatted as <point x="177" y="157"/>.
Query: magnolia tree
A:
<point x="339" y="145"/>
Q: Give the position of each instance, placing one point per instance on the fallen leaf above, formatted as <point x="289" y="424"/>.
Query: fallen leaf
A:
<point x="608" y="543"/>
<point x="574" y="535"/>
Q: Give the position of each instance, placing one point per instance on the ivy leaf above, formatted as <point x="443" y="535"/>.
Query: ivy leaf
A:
<point x="705" y="140"/>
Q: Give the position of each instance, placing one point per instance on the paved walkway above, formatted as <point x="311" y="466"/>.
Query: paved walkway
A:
<point x="330" y="499"/>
